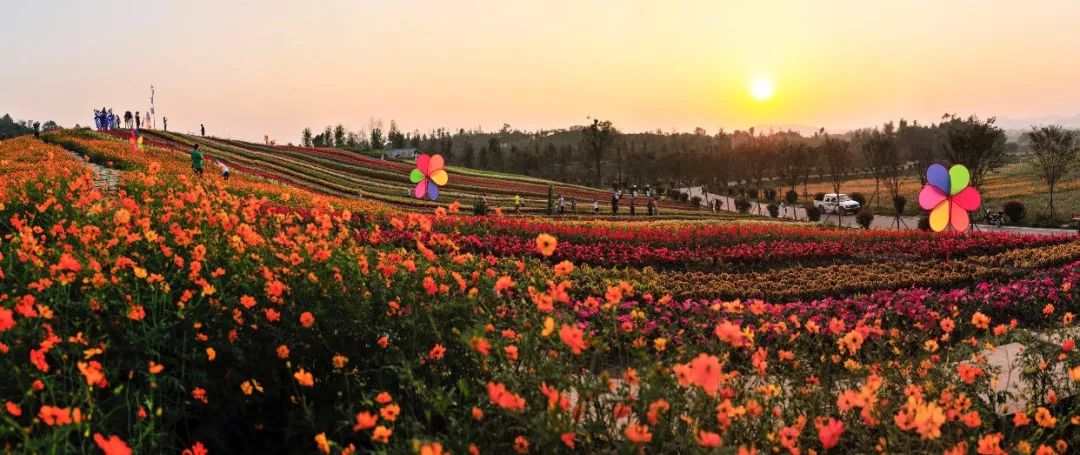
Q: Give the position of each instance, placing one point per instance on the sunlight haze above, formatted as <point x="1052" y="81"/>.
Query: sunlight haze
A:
<point x="273" y="67"/>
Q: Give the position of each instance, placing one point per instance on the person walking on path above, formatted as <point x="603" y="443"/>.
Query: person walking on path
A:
<point x="202" y="130"/>
<point x="614" y="203"/>
<point x="517" y="203"/>
<point x="596" y="207"/>
<point x="196" y="161"/>
<point x="573" y="205"/>
<point x="127" y="119"/>
<point x="37" y="129"/>
<point x="562" y="205"/>
<point x="138" y="121"/>
<point x="165" y="124"/>
<point x="633" y="201"/>
<point x="651" y="206"/>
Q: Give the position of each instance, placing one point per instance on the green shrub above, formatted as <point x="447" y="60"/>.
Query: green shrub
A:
<point x="742" y="205"/>
<point x="1016" y="211"/>
<point x="864" y="218"/>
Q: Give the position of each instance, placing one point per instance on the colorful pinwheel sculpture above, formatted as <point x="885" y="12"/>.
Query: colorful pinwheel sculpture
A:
<point x="948" y="197"/>
<point x="428" y="176"/>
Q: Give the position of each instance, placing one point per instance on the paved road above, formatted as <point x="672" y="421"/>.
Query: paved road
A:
<point x="880" y="222"/>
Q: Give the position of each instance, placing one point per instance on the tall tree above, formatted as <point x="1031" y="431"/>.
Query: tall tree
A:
<point x="879" y="151"/>
<point x="1054" y="150"/>
<point x="339" y="135"/>
<point x="977" y="144"/>
<point x="838" y="161"/>
<point x="596" y="139"/>
<point x="922" y="145"/>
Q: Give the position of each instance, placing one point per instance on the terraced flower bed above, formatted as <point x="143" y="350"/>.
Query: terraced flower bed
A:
<point x="192" y="315"/>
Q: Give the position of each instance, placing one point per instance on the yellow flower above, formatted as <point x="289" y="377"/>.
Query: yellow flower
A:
<point x="549" y="327"/>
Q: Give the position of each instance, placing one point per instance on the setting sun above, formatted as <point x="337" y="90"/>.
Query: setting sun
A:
<point x="761" y="89"/>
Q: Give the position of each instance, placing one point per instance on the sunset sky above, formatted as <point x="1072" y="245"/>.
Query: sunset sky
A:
<point x="272" y="67"/>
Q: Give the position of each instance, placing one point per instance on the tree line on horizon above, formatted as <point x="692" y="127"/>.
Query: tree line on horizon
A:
<point x="9" y="127"/>
<point x="599" y="154"/>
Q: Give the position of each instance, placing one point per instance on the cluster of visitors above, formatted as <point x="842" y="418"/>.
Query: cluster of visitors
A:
<point x="104" y="119"/>
<point x="197" y="163"/>
<point x="616" y="197"/>
<point x="561" y="204"/>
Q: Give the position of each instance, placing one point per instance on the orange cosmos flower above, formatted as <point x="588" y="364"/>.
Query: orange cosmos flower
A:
<point x="437" y="352"/>
<point x="706" y="372"/>
<point x="322" y="443"/>
<point x="980" y="320"/>
<point x="564" y="268"/>
<point x="13" y="409"/>
<point x="340" y="361"/>
<point x="573" y="337"/>
<point x="546" y="244"/>
<point x="94" y="376"/>
<point x="968" y="373"/>
<point x="283" y="352"/>
<point x="365" y="420"/>
<point x="136" y="313"/>
<point x="709" y="439"/>
<point x="638" y="434"/>
<point x="112" y="446"/>
<point x="503" y="283"/>
<point x="829" y="432"/>
<point x="521" y="445"/>
<point x="7" y="319"/>
<point x="1044" y="418"/>
<point x="499" y="395"/>
<point x="381" y="434"/>
<point x="971" y="419"/>
<point x="307" y="319"/>
<point x="383" y="398"/>
<point x="568" y="439"/>
<point x="730" y="333"/>
<point x="390" y="412"/>
<point x="851" y="342"/>
<point x="304" y="378"/>
<point x="990" y="445"/>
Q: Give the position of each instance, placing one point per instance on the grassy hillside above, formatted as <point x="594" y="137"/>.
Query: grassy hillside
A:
<point x="343" y="173"/>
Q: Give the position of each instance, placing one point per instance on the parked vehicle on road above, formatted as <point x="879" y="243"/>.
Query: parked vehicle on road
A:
<point x="837" y="203"/>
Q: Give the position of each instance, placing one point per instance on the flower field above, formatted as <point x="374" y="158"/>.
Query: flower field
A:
<point x="341" y="173"/>
<point x="272" y="313"/>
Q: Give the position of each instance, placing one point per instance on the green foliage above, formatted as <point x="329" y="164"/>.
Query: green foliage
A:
<point x="10" y="128"/>
<point x="865" y="218"/>
<point x="1015" y="210"/>
<point x="742" y="205"/>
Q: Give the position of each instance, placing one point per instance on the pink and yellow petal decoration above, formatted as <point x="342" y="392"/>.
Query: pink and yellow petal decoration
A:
<point x="428" y="176"/>
<point x="949" y="198"/>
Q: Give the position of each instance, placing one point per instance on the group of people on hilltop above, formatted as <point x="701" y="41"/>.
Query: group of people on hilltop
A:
<point x="105" y="119"/>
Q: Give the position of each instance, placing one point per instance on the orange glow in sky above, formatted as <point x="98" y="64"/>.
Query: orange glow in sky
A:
<point x="272" y="67"/>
